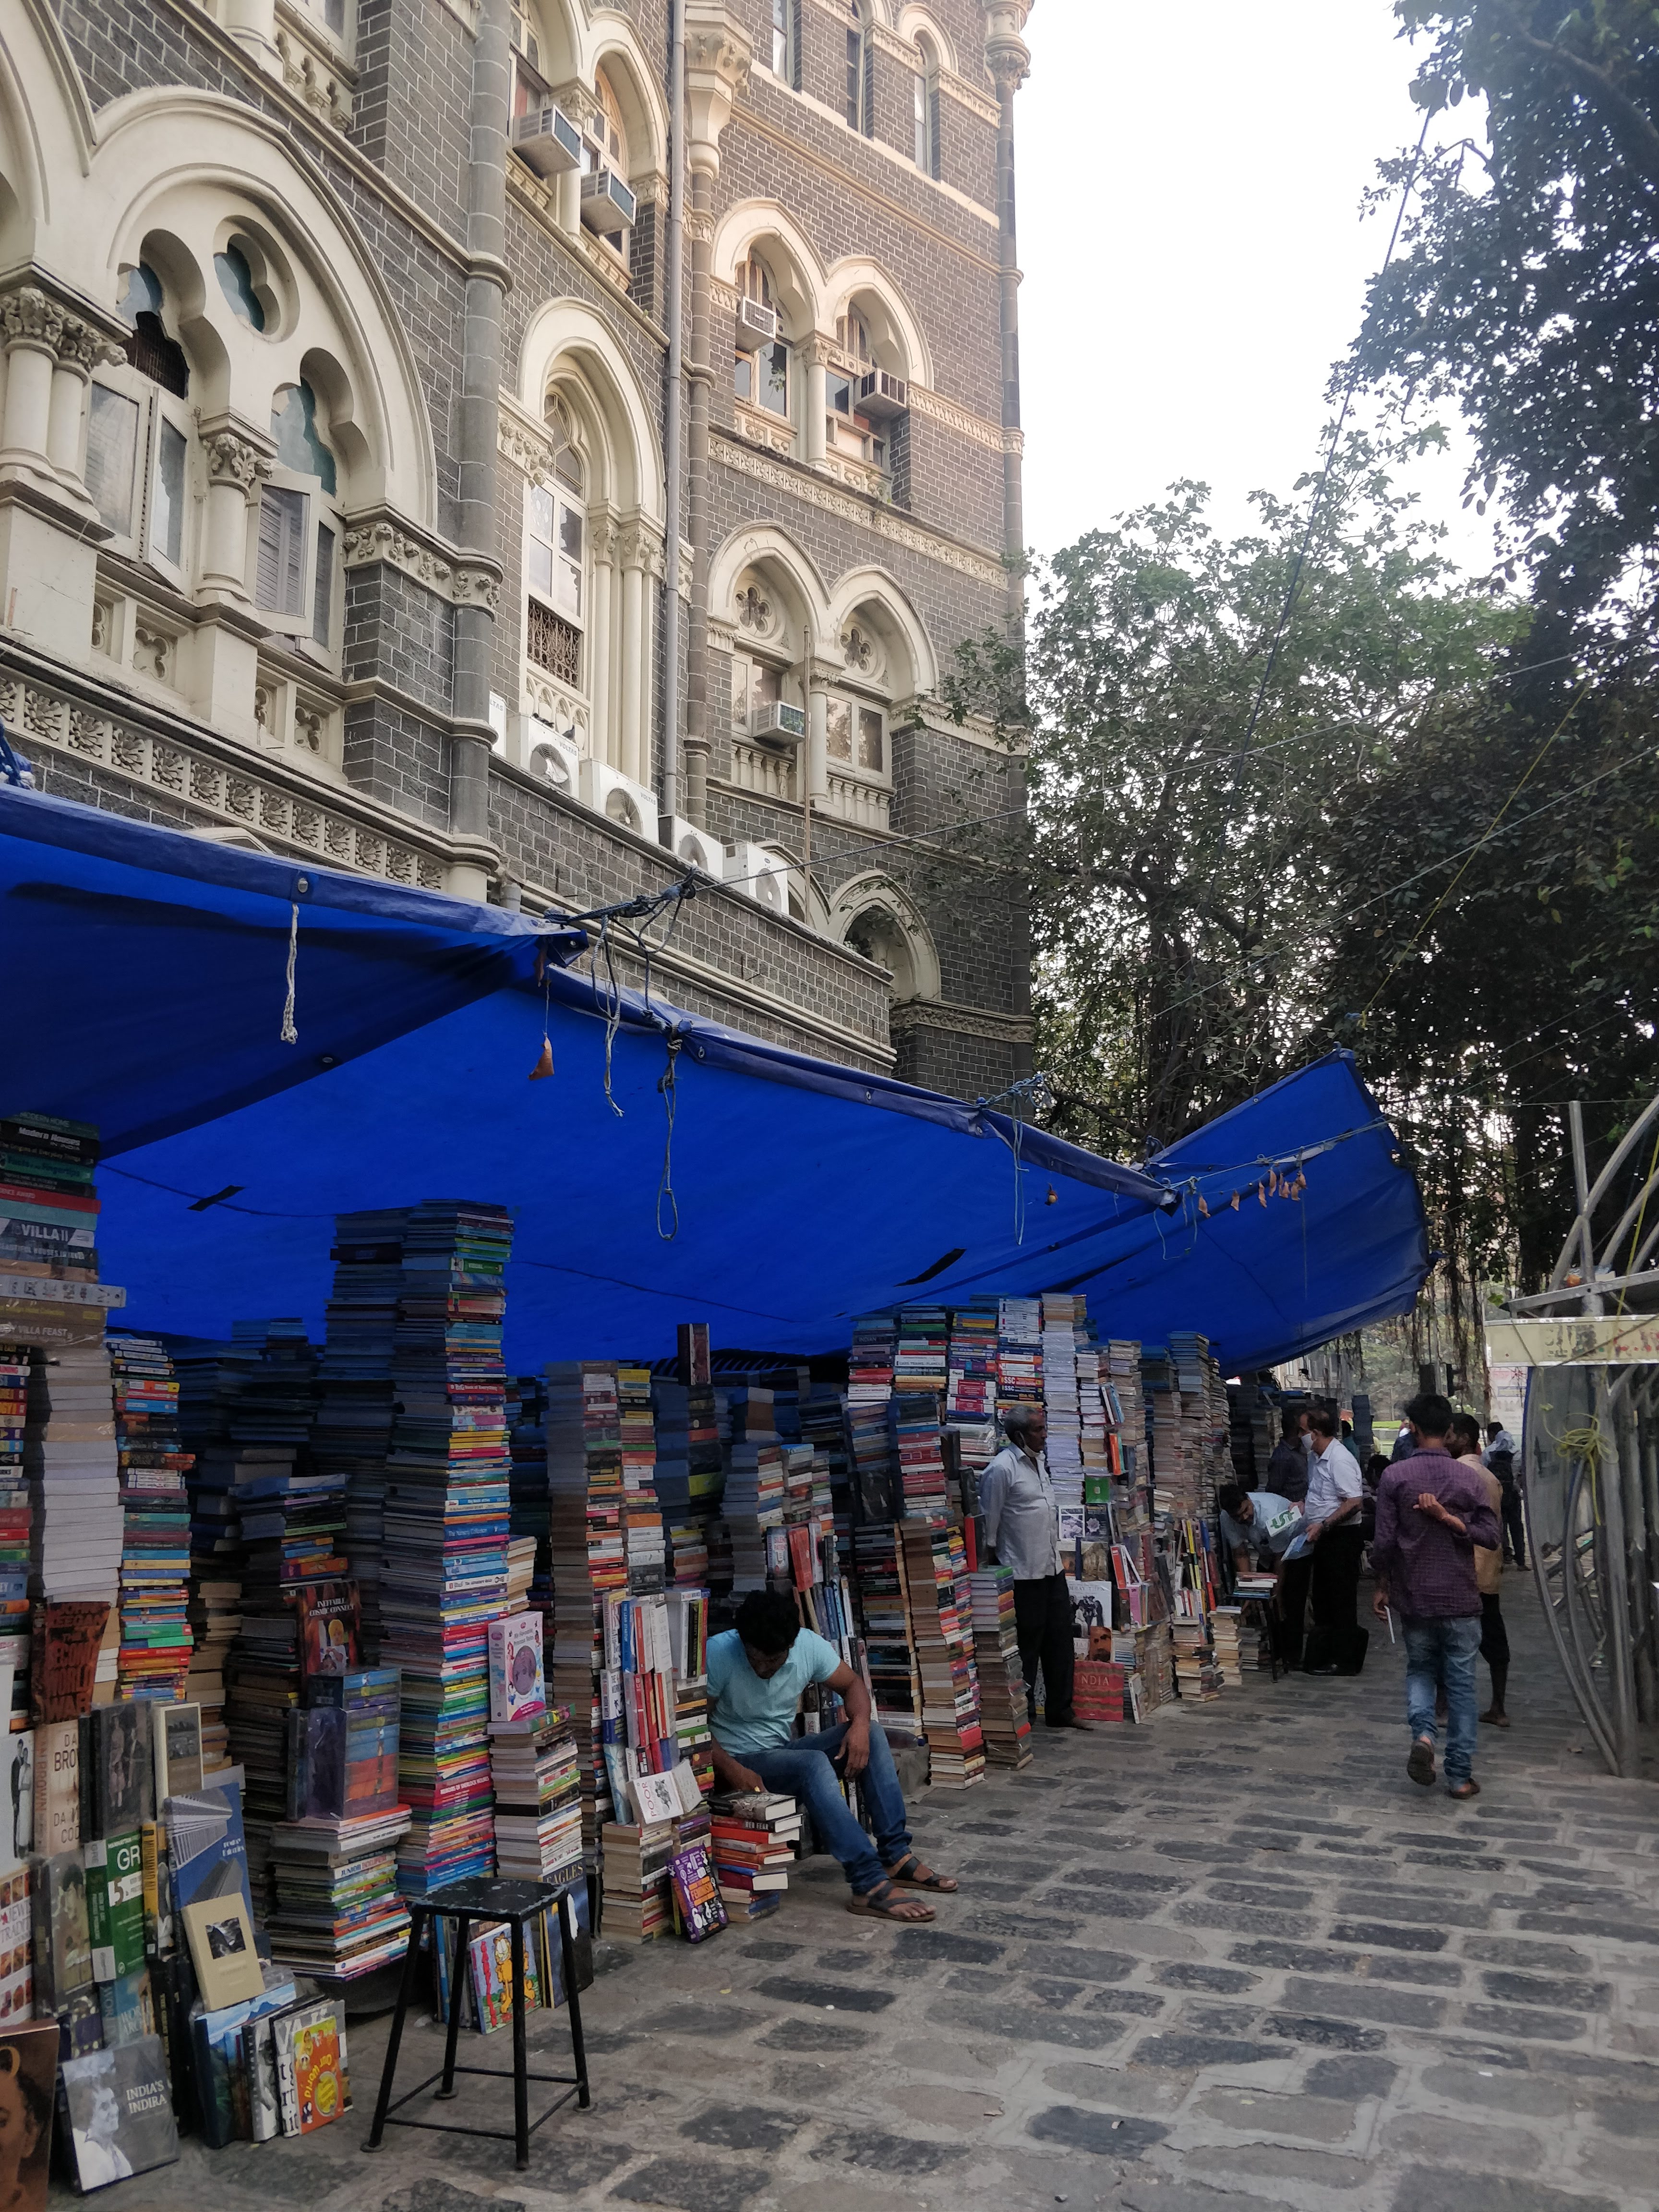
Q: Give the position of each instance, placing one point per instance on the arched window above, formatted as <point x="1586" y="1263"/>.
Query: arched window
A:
<point x="848" y="430"/>
<point x="556" y="533"/>
<point x="783" y="41"/>
<point x="861" y="61"/>
<point x="878" y="935"/>
<point x="924" y="96"/>
<point x="296" y="568"/>
<point x="139" y="433"/>
<point x="760" y="371"/>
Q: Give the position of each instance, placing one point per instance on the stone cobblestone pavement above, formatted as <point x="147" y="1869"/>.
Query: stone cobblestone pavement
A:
<point x="1232" y="1959"/>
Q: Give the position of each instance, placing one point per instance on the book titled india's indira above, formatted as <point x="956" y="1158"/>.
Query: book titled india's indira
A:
<point x="120" y="2112"/>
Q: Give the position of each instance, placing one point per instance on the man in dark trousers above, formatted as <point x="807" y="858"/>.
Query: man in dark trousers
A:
<point x="1287" y="1470"/>
<point x="1499" y="1456"/>
<point x="1431" y="1514"/>
<point x="1022" y="1527"/>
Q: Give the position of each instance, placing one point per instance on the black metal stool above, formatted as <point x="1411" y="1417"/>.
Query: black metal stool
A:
<point x="467" y="1903"/>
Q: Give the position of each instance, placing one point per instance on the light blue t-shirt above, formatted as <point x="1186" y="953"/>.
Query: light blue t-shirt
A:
<point x="746" y="1714"/>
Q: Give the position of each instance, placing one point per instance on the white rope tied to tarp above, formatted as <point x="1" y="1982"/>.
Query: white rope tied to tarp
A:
<point x="290" y="1035"/>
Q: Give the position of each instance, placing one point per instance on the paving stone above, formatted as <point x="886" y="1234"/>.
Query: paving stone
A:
<point x="1087" y="1965"/>
<point x="1140" y="2003"/>
<point x="966" y="2110"/>
<point x="702" y="2021"/>
<point x="1005" y="1923"/>
<point x="1325" y="2034"/>
<point x="1351" y="2076"/>
<point x="429" y="2194"/>
<point x="1246" y="1892"/>
<point x="1568" y="1924"/>
<point x="744" y="2127"/>
<point x="1470" y="1861"/>
<point x="1264" y="2112"/>
<point x="1119" y="2090"/>
<point x="1367" y="2001"/>
<point x="976" y="1981"/>
<point x="1463" y="2142"/>
<point x="922" y="1946"/>
<point x="1548" y="1989"/>
<point x="1627" y="2118"/>
<point x="814" y="2035"/>
<point x="828" y="1997"/>
<point x="877" y="2152"/>
<point x="1499" y="2090"/>
<point x="771" y="1952"/>
<point x="1108" y="2135"/>
<point x="845" y="1961"/>
<point x="1432" y="2189"/>
<point x="1180" y="1974"/>
<point x="1028" y="2024"/>
<point x="1055" y="1994"/>
<point x="1515" y="1951"/>
<point x="1176" y="2048"/>
<point x="1381" y="1935"/>
<point x="1520" y="2021"/>
<point x="1317" y="2169"/>
<point x="690" y="2187"/>
<point x="1193" y="1914"/>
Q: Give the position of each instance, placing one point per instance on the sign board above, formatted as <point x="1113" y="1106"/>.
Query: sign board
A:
<point x="1590" y="1341"/>
<point x="1506" y="1392"/>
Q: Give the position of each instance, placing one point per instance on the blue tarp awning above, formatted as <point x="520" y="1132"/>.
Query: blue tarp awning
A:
<point x="147" y="977"/>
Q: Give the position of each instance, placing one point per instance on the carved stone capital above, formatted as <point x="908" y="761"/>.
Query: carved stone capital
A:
<point x="819" y="352"/>
<point x="641" y="547"/>
<point x="476" y="587"/>
<point x="234" y="458"/>
<point x="604" y="537"/>
<point x="718" y="55"/>
<point x="699" y="228"/>
<point x="29" y="316"/>
<point x="463" y="583"/>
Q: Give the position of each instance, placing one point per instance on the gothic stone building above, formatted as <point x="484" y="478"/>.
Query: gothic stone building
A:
<point x="334" y="512"/>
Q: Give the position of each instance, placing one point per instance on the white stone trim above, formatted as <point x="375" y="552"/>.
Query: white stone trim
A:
<point x="463" y="583"/>
<point x="962" y="420"/>
<point x="970" y="97"/>
<point x="805" y="484"/>
<point x="962" y="1021"/>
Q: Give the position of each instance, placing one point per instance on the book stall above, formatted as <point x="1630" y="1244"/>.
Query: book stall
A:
<point x="297" y="1632"/>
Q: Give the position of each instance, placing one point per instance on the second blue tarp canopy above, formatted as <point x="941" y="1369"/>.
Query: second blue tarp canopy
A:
<point x="720" y="1178"/>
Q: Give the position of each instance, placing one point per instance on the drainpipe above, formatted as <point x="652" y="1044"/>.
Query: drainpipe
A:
<point x="471" y="736"/>
<point x="673" y="458"/>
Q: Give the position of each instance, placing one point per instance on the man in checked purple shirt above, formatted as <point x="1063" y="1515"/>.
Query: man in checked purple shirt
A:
<point x="1431" y="1514"/>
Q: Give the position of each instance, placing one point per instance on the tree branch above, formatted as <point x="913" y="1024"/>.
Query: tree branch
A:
<point x="1631" y="122"/>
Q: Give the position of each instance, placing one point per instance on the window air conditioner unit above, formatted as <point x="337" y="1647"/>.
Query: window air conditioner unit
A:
<point x="607" y="203"/>
<point x="757" y="322"/>
<point x="549" y="141"/>
<point x="882" y="396"/>
<point x="697" y="848"/>
<point x="777" y="724"/>
<point x="555" y="757"/>
<point x="759" y="875"/>
<point x="619" y="798"/>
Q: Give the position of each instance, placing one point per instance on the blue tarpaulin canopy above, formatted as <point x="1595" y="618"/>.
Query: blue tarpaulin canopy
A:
<point x="147" y="974"/>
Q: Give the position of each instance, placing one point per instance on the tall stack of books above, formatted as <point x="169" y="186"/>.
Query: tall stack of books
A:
<point x="824" y="1425"/>
<point x="156" y="1644"/>
<point x="354" y="1387"/>
<point x="14" y="1530"/>
<point x="1197" y="1678"/>
<point x="589" y="1558"/>
<point x="1165" y="1432"/>
<point x="1019" y="1352"/>
<point x="645" y="1545"/>
<point x="919" y="1456"/>
<point x="869" y="1391"/>
<point x="49" y="1205"/>
<point x="691" y="1464"/>
<point x="755" y="1492"/>
<point x="883" y="1615"/>
<point x="536" y="1771"/>
<point x="337" y="1913"/>
<point x="1061" y="1313"/>
<point x="1003" y="1717"/>
<point x="1227" y="1636"/>
<point x="447" y="1518"/>
<point x="921" y="1350"/>
<point x="752" y="1834"/>
<point x="970" y="1404"/>
<point x="1095" y="1418"/>
<point x="210" y="1379"/>
<point x="936" y="1576"/>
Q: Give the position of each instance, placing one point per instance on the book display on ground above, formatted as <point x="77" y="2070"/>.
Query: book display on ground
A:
<point x="936" y="1577"/>
<point x="1003" y="1717"/>
<point x="751" y="1839"/>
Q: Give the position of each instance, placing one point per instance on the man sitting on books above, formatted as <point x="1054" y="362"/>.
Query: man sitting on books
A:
<point x="757" y="1671"/>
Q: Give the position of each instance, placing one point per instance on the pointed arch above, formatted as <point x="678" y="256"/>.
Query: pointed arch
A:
<point x="48" y="132"/>
<point x="566" y="343"/>
<point x="900" y="343"/>
<point x="797" y="272"/>
<point x="904" y="634"/>
<point x="770" y="550"/>
<point x="877" y="917"/>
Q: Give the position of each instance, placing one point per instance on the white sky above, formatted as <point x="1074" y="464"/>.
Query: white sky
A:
<point x="1189" y="185"/>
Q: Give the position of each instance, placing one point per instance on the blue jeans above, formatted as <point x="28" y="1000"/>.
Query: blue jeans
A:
<point x="1440" y="1655"/>
<point x="804" y="1771"/>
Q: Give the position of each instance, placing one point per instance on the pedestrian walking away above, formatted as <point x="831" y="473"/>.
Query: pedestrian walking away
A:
<point x="1430" y="1514"/>
<point x="1022" y="1527"/>
<point x="1501" y="1457"/>
<point x="1488" y="1569"/>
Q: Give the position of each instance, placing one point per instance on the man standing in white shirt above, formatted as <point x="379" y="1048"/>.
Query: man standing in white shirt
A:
<point x="1336" y="1544"/>
<point x="1022" y="1528"/>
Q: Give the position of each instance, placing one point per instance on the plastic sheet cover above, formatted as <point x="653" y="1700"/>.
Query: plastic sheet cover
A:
<point x="719" y="1177"/>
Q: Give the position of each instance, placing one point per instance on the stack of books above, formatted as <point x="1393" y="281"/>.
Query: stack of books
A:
<point x="970" y="1405"/>
<point x="211" y="1381"/>
<point x="447" y="1518"/>
<point x="588" y="1553"/>
<point x="751" y="1839"/>
<point x="1100" y="1691"/>
<point x="156" y="1646"/>
<point x="691" y="1464"/>
<point x="638" y="1903"/>
<point x="1197" y="1676"/>
<point x="754" y="1489"/>
<point x="74" y="1488"/>
<point x="869" y="1389"/>
<point x="1061" y="1313"/>
<point x="921" y="1351"/>
<point x="48" y="1204"/>
<point x="919" y="1456"/>
<point x="645" y="1545"/>
<point x="1003" y="1716"/>
<point x="1019" y="1352"/>
<point x="535" y="1772"/>
<point x="337" y="1913"/>
<point x="1226" y="1627"/>
<point x="824" y="1425"/>
<point x="353" y="1389"/>
<point x="936" y="1575"/>
<point x="14" y="1527"/>
<point x="884" y="1622"/>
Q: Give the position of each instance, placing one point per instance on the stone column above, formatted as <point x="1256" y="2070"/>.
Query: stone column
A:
<point x="815" y="355"/>
<point x="31" y="323"/>
<point x="602" y="543"/>
<point x="1009" y="61"/>
<point x="815" y="782"/>
<point x="82" y="349"/>
<point x="253" y="24"/>
<point x="717" y="59"/>
<point x="631" y="750"/>
<point x="239" y="459"/>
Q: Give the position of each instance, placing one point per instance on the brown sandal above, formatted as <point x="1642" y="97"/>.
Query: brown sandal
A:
<point x="920" y="1877"/>
<point x="885" y="1903"/>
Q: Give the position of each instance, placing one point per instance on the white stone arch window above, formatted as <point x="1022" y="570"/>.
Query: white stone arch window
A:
<point x="555" y="557"/>
<point x="761" y="365"/>
<point x="859" y="102"/>
<point x="140" y="433"/>
<point x="297" y="529"/>
<point x="606" y="148"/>
<point x="848" y="429"/>
<point x="766" y="682"/>
<point x="924" y="98"/>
